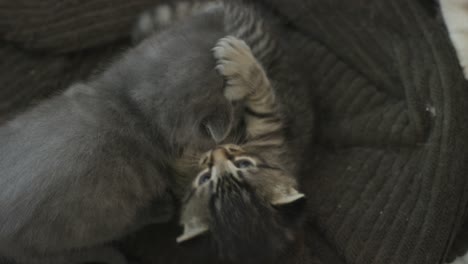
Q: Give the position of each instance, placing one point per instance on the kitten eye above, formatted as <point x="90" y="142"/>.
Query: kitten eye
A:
<point x="204" y="178"/>
<point x="243" y="163"/>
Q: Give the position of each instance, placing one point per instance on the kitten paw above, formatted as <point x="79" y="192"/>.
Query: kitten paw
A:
<point x="152" y="21"/>
<point x="239" y="67"/>
<point x="164" y="15"/>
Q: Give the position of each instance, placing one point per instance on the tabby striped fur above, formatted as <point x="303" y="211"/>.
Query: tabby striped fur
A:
<point x="240" y="187"/>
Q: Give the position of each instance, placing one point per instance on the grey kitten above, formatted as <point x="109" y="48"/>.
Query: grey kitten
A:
<point x="95" y="163"/>
<point x="239" y="195"/>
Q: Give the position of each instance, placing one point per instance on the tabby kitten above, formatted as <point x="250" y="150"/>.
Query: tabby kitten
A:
<point x="239" y="193"/>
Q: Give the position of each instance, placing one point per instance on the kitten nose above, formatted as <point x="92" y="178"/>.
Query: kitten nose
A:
<point x="219" y="155"/>
<point x="219" y="158"/>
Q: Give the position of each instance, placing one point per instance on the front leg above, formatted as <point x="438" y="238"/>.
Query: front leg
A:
<point x="246" y="80"/>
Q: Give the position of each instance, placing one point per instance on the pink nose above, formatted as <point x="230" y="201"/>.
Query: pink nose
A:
<point x="219" y="159"/>
<point x="219" y="155"/>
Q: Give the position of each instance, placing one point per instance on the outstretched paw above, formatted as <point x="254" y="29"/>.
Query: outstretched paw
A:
<point x="239" y="67"/>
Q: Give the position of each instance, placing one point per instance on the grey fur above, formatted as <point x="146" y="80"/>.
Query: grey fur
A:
<point x="93" y="164"/>
<point x="165" y="15"/>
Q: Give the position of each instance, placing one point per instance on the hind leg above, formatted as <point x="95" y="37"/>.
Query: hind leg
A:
<point x="164" y="15"/>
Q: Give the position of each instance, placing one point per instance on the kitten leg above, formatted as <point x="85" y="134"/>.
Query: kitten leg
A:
<point x="165" y="15"/>
<point x="246" y="80"/>
<point x="455" y="13"/>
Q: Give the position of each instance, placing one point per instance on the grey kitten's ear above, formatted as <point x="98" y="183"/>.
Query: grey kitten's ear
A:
<point x="218" y="129"/>
<point x="288" y="197"/>
<point x="194" y="228"/>
<point x="219" y="123"/>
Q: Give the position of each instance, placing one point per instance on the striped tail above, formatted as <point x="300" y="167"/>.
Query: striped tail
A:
<point x="249" y="21"/>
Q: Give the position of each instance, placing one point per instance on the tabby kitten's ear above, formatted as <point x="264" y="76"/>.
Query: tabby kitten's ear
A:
<point x="192" y="229"/>
<point x="288" y="197"/>
<point x="195" y="214"/>
<point x="276" y="186"/>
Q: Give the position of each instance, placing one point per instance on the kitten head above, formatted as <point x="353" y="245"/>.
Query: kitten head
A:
<point x="239" y="200"/>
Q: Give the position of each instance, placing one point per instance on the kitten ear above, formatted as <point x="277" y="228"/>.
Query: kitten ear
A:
<point x="218" y="129"/>
<point x="193" y="229"/>
<point x="195" y="215"/>
<point x="218" y="122"/>
<point x="291" y="196"/>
